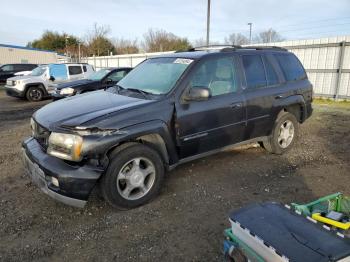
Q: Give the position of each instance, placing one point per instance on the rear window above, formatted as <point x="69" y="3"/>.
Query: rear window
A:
<point x="291" y="67"/>
<point x="84" y="68"/>
<point x="75" y="70"/>
<point x="254" y="71"/>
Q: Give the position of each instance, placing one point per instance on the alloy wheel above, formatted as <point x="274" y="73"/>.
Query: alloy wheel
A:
<point x="286" y="134"/>
<point x="136" y="178"/>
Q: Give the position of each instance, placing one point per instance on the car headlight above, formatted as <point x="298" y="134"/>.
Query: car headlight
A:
<point x="65" y="146"/>
<point x="67" y="91"/>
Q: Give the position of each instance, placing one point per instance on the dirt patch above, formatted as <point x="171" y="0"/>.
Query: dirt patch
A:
<point x="187" y="220"/>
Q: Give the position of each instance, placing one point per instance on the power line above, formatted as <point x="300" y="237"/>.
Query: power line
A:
<point x="313" y="27"/>
<point x="315" y="21"/>
<point x="281" y="29"/>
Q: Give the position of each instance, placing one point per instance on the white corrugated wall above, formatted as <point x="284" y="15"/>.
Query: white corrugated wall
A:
<point x="10" y="55"/>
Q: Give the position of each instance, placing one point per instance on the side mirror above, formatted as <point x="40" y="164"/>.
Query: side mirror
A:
<point x="52" y="78"/>
<point x="198" y="94"/>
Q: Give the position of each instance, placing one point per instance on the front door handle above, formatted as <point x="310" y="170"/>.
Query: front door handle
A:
<point x="236" y="105"/>
<point x="279" y="96"/>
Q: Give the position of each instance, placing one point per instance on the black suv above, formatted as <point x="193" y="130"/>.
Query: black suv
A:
<point x="169" y="110"/>
<point x="9" y="70"/>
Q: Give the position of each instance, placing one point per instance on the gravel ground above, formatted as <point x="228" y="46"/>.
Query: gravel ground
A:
<point x="187" y="220"/>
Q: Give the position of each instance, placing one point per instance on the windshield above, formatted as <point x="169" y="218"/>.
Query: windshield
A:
<point x="156" y="75"/>
<point x="98" y="75"/>
<point x="38" y="71"/>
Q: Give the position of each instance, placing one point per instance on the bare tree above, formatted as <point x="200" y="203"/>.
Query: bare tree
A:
<point x="202" y="42"/>
<point x="236" y="39"/>
<point x="97" y="40"/>
<point x="199" y="42"/>
<point x="268" y="36"/>
<point x="98" y="31"/>
<point x="161" y="40"/>
<point x="125" y="46"/>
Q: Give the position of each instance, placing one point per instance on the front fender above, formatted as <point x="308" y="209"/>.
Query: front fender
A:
<point x="101" y="143"/>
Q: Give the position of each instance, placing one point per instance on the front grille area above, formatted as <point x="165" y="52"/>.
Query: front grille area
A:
<point x="41" y="134"/>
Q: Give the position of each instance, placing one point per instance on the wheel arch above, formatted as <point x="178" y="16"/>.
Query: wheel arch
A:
<point x="40" y="85"/>
<point x="154" y="134"/>
<point x="294" y="105"/>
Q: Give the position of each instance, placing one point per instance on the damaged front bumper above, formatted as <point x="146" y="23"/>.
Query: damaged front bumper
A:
<point x="75" y="182"/>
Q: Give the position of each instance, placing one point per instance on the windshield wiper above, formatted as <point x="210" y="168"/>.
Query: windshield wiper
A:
<point x="116" y="88"/>
<point x="144" y="93"/>
<point x="119" y="87"/>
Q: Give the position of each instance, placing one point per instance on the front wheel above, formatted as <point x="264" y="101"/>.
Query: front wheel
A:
<point x="134" y="177"/>
<point x="34" y="94"/>
<point x="284" y="134"/>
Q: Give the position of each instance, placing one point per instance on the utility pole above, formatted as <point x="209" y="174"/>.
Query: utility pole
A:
<point x="208" y="22"/>
<point x="79" y="50"/>
<point x="250" y="32"/>
<point x="67" y="37"/>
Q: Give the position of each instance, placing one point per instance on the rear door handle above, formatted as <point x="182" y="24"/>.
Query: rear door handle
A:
<point x="236" y="105"/>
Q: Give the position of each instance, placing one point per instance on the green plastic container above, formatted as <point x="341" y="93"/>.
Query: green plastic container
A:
<point x="335" y="202"/>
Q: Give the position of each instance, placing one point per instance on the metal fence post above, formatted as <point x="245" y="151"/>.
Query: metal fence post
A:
<point x="340" y="68"/>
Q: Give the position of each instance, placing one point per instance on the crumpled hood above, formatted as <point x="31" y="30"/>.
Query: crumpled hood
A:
<point x="77" y="83"/>
<point x="76" y="110"/>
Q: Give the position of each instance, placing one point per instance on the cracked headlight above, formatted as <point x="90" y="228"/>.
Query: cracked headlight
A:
<point x="67" y="91"/>
<point x="65" y="146"/>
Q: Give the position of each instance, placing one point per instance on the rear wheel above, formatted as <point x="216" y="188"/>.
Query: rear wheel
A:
<point x="284" y="134"/>
<point x="34" y="94"/>
<point x="134" y="177"/>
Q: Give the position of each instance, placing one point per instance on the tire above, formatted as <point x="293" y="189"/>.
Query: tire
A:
<point x="134" y="176"/>
<point x="34" y="94"/>
<point x="284" y="134"/>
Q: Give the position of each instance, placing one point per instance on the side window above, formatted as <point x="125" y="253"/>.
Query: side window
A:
<point x="7" y="68"/>
<point x="116" y="76"/>
<point x="291" y="67"/>
<point x="84" y="68"/>
<point x="24" y="67"/>
<point x="254" y="71"/>
<point x="272" y="78"/>
<point x="75" y="70"/>
<point x="19" y="67"/>
<point x="219" y="75"/>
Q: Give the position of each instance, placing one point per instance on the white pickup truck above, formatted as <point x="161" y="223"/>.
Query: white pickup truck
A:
<point x="43" y="80"/>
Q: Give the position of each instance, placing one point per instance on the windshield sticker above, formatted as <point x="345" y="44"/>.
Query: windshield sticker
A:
<point x="183" y="61"/>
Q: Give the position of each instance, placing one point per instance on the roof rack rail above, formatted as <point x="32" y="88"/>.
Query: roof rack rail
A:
<point x="230" y="48"/>
<point x="261" y="47"/>
<point x="205" y="47"/>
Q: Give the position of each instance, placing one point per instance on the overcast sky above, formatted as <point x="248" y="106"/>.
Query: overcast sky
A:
<point x="23" y="21"/>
